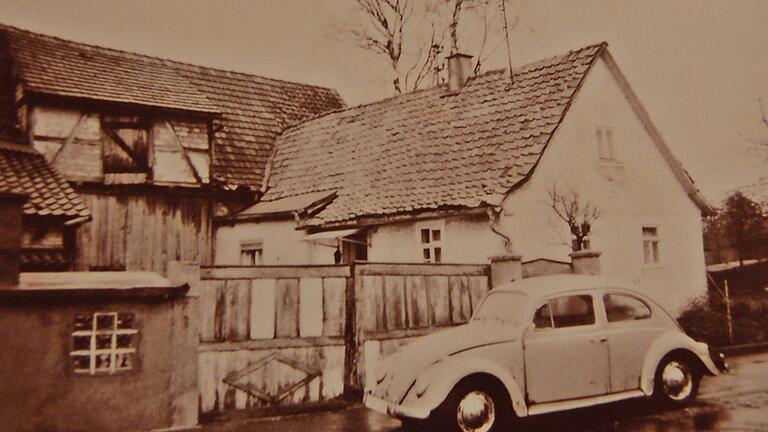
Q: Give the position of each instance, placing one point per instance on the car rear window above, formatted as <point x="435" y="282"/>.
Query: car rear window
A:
<point x="620" y="307"/>
<point x="508" y="307"/>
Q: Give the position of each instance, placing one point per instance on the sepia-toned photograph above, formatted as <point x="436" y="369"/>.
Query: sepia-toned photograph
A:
<point x="383" y="215"/>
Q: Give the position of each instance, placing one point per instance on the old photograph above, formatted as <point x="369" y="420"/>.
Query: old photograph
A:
<point x="383" y="215"/>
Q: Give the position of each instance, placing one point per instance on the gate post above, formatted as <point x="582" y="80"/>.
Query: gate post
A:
<point x="505" y="269"/>
<point x="351" y="387"/>
<point x="185" y="340"/>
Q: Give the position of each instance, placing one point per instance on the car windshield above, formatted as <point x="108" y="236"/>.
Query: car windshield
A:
<point x="508" y="307"/>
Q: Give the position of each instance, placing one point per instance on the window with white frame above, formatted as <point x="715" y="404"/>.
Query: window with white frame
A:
<point x="431" y="238"/>
<point x="103" y="343"/>
<point x="252" y="253"/>
<point x="605" y="148"/>
<point x="651" y="245"/>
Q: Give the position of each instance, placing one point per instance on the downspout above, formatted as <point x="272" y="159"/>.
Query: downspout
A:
<point x="494" y="214"/>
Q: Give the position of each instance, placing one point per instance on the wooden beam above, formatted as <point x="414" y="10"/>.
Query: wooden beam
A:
<point x="274" y="272"/>
<point x="408" y="269"/>
<point x="70" y="137"/>
<point x="271" y="344"/>
<point x="184" y="153"/>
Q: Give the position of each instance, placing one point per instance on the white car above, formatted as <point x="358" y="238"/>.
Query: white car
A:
<point x="542" y="345"/>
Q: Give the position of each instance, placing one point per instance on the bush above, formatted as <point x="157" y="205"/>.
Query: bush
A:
<point x="705" y="320"/>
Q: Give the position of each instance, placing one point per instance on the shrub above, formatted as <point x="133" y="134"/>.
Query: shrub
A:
<point x="705" y="320"/>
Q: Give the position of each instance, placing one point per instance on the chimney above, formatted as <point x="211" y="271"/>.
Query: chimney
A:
<point x="11" y="209"/>
<point x="459" y="69"/>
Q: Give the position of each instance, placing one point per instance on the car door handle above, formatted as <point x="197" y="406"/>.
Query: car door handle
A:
<point x="599" y="340"/>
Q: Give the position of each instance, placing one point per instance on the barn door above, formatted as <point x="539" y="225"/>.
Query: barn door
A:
<point x="126" y="145"/>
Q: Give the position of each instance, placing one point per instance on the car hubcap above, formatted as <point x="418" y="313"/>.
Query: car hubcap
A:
<point x="676" y="380"/>
<point x="476" y="412"/>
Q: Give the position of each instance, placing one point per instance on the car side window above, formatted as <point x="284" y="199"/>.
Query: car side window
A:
<point x="566" y="311"/>
<point x="625" y="308"/>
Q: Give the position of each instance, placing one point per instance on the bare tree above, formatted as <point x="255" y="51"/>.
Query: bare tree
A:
<point x="412" y="35"/>
<point x="386" y="33"/>
<point x="579" y="215"/>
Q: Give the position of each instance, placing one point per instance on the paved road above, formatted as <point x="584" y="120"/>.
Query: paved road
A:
<point x="737" y="401"/>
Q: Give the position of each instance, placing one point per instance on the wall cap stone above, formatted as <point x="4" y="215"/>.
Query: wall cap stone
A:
<point x="584" y="254"/>
<point x="502" y="258"/>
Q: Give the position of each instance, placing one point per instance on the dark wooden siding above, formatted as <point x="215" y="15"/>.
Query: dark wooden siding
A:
<point x="144" y="231"/>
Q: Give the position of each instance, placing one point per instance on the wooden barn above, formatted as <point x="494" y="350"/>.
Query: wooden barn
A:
<point x="154" y="147"/>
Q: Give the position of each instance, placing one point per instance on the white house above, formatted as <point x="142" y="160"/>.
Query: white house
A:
<point x="462" y="172"/>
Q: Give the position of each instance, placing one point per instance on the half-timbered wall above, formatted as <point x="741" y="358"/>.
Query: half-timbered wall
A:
<point x="77" y="143"/>
<point x="277" y="335"/>
<point x="148" y="215"/>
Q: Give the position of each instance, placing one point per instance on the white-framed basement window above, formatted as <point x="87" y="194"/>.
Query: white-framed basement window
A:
<point x="103" y="343"/>
<point x="651" y="240"/>
<point x="252" y="253"/>
<point x="431" y="241"/>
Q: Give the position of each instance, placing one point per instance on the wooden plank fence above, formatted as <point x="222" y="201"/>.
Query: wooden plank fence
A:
<point x="275" y="335"/>
<point x="398" y="302"/>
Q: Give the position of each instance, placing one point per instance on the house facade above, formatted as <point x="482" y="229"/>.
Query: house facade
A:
<point x="154" y="147"/>
<point x="464" y="172"/>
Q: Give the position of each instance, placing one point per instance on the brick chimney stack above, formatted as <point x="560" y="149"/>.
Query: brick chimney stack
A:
<point x="11" y="209"/>
<point x="459" y="70"/>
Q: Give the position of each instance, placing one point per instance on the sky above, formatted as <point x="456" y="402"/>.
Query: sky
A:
<point x="699" y="66"/>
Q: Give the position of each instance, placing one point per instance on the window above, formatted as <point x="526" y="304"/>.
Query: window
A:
<point x="509" y="307"/>
<point x="103" y="343"/>
<point x="562" y="312"/>
<point x="651" y="245"/>
<point x="251" y="253"/>
<point x="605" y="149"/>
<point x="431" y="244"/>
<point x="126" y="145"/>
<point x="625" y="308"/>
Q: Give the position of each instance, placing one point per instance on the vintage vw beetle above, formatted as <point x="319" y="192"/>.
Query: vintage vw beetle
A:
<point x="542" y="345"/>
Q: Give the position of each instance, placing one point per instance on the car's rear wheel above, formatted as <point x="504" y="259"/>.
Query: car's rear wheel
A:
<point x="677" y="380"/>
<point x="474" y="405"/>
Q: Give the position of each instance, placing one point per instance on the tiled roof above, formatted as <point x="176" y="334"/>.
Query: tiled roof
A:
<point x="24" y="170"/>
<point x="252" y="109"/>
<point x="288" y="204"/>
<point x="429" y="149"/>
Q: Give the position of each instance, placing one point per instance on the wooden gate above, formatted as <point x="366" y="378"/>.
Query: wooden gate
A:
<point x="285" y="335"/>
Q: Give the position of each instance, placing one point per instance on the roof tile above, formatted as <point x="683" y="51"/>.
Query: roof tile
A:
<point x="24" y="170"/>
<point x="251" y="110"/>
<point x="428" y="149"/>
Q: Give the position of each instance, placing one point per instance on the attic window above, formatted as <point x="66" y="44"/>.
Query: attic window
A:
<point x="126" y="145"/>
<point x="605" y="149"/>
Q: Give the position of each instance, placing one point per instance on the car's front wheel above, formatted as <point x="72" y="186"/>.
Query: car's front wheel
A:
<point x="677" y="380"/>
<point x="474" y="405"/>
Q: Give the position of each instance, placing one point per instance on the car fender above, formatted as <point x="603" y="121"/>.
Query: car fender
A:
<point x="442" y="376"/>
<point x="665" y="344"/>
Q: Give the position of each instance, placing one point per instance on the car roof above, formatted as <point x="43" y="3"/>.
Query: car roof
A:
<point x="543" y="286"/>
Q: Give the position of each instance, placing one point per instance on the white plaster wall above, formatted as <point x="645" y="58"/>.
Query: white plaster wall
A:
<point x="465" y="240"/>
<point x="641" y="189"/>
<point x="283" y="244"/>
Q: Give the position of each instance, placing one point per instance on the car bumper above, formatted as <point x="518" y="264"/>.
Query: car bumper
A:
<point x="395" y="410"/>
<point x="718" y="359"/>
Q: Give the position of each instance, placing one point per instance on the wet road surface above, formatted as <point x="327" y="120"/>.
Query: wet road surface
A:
<point x="737" y="401"/>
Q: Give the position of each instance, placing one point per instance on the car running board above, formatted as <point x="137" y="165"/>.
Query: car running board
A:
<point x="549" y="407"/>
